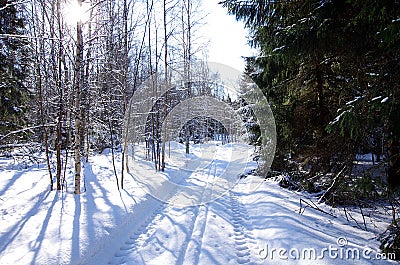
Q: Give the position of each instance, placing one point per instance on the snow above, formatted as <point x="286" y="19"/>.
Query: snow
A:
<point x="379" y="97"/>
<point x="338" y="117"/>
<point x="17" y="109"/>
<point x="385" y="99"/>
<point x="373" y="74"/>
<point x="354" y="100"/>
<point x="376" y="98"/>
<point x="279" y="48"/>
<point x="249" y="220"/>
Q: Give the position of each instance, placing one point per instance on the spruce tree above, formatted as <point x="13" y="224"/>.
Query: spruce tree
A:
<point x="330" y="71"/>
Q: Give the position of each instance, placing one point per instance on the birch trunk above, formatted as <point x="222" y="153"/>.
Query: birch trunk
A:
<point x="78" y="114"/>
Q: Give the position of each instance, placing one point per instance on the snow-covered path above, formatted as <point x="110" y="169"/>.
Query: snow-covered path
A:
<point x="215" y="233"/>
<point x="173" y="232"/>
<point x="189" y="217"/>
<point x="242" y="227"/>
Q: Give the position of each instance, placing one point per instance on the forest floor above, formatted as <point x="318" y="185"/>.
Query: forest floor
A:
<point x="194" y="220"/>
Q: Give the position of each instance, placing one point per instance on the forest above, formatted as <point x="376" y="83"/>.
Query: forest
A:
<point x="72" y="66"/>
<point x="330" y="70"/>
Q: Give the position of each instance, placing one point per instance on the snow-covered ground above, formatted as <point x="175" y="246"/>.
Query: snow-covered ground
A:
<point x="193" y="216"/>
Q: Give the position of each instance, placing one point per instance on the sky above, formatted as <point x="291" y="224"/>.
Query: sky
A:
<point x="228" y="37"/>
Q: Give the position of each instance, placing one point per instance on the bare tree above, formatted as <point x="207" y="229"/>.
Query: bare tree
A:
<point x="78" y="81"/>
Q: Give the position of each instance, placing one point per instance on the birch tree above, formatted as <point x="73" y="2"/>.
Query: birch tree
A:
<point x="78" y="81"/>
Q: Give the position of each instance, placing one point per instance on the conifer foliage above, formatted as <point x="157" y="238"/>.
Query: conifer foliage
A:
<point x="330" y="69"/>
<point x="13" y="92"/>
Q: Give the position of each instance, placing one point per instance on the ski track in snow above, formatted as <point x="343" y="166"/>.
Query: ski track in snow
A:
<point x="191" y="249"/>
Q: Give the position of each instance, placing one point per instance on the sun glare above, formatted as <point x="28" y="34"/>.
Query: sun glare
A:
<point x="74" y="13"/>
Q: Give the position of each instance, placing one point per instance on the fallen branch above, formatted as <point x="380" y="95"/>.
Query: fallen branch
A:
<point x="312" y="205"/>
<point x="335" y="183"/>
<point x="11" y="146"/>
<point x="2" y="137"/>
<point x="348" y="214"/>
<point x="363" y="216"/>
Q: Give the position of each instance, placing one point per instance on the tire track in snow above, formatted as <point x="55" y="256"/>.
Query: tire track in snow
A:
<point x="135" y="221"/>
<point x="133" y="227"/>
<point x="243" y="237"/>
<point x="142" y="233"/>
<point x="140" y="237"/>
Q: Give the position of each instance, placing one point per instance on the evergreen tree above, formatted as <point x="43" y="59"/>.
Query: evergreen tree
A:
<point x="13" y="51"/>
<point x="330" y="70"/>
<point x="321" y="65"/>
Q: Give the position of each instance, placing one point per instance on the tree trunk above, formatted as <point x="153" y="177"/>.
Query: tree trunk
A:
<point x="41" y="55"/>
<point x="78" y="114"/>
<point x="60" y="103"/>
<point x="164" y="126"/>
<point x="187" y="60"/>
<point x="125" y="86"/>
<point x="394" y="164"/>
